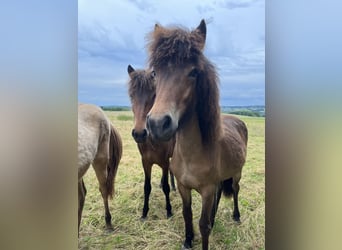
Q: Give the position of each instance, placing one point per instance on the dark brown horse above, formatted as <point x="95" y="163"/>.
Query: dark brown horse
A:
<point x="210" y="149"/>
<point x="99" y="144"/>
<point x="141" y="90"/>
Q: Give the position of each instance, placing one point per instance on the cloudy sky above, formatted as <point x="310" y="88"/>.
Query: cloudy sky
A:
<point x="112" y="34"/>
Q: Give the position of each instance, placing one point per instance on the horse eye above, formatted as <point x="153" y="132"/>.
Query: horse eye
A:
<point x="153" y="74"/>
<point x="193" y="73"/>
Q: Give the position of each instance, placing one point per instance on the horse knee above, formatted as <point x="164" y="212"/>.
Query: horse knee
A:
<point x="104" y="192"/>
<point x="84" y="189"/>
<point x="81" y="194"/>
<point x="205" y="227"/>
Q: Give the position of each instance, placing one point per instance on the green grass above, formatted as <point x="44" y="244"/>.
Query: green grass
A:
<point x="125" y="117"/>
<point x="157" y="232"/>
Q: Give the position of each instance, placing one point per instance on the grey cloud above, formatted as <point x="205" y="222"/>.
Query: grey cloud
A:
<point x="237" y="4"/>
<point x="144" y="5"/>
<point x="110" y="41"/>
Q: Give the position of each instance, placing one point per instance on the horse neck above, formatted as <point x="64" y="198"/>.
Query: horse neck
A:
<point x="189" y="133"/>
<point x="189" y="140"/>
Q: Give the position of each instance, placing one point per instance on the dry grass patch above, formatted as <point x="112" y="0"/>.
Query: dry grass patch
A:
<point x="157" y="232"/>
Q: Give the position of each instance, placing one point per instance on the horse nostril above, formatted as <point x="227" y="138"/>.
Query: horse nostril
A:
<point x="166" y="122"/>
<point x="144" y="133"/>
<point x="161" y="127"/>
<point x="133" y="133"/>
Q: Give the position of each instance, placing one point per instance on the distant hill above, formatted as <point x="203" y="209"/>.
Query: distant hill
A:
<point x="116" y="108"/>
<point x="256" y="111"/>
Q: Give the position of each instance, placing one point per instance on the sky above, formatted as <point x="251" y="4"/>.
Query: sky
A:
<point x="112" y="35"/>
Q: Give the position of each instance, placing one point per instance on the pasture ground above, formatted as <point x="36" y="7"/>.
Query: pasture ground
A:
<point x="157" y="232"/>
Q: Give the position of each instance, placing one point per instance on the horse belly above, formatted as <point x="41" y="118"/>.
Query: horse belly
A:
<point x="86" y="155"/>
<point x="229" y="168"/>
<point x="233" y="156"/>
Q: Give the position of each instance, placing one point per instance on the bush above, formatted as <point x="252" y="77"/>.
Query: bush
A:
<point x="245" y="113"/>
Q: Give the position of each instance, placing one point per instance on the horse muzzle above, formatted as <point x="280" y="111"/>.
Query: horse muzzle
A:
<point x="139" y="136"/>
<point x="161" y="128"/>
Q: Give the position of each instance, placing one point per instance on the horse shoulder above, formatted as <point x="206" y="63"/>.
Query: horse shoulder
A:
<point x="192" y="169"/>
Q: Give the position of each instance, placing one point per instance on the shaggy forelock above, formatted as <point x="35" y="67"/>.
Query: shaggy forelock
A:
<point x="140" y="80"/>
<point x="176" y="45"/>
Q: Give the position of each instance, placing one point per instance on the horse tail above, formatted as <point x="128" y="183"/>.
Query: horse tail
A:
<point x="115" y="153"/>
<point x="227" y="187"/>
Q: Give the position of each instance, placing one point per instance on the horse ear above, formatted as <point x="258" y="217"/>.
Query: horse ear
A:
<point x="130" y="69"/>
<point x="202" y="31"/>
<point x="157" y="28"/>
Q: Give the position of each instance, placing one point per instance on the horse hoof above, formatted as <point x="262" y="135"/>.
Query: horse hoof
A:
<point x="169" y="215"/>
<point x="143" y="218"/>
<point x="185" y="248"/>
<point x="109" y="229"/>
<point x="237" y="220"/>
<point x="186" y="245"/>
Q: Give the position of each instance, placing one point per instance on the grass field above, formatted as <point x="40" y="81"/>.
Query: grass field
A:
<point x="157" y="232"/>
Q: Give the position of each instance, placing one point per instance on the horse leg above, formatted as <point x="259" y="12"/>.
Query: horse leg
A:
<point x="208" y="198"/>
<point x="166" y="190"/>
<point x="236" y="189"/>
<point x="147" y="187"/>
<point x="187" y="215"/>
<point x="82" y="191"/>
<point x="172" y="178"/>
<point x="216" y="203"/>
<point x="100" y="168"/>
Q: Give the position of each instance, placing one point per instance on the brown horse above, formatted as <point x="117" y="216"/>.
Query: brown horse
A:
<point x="141" y="90"/>
<point x="99" y="144"/>
<point x="210" y="149"/>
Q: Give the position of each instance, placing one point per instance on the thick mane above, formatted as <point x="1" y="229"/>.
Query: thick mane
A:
<point x="140" y="80"/>
<point x="207" y="103"/>
<point x="176" y="47"/>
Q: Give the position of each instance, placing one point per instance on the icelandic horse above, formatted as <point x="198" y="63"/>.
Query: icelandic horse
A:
<point x="141" y="90"/>
<point x="210" y="148"/>
<point x="100" y="145"/>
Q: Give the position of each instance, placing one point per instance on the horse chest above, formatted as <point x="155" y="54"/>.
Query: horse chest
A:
<point x="192" y="174"/>
<point x="152" y="154"/>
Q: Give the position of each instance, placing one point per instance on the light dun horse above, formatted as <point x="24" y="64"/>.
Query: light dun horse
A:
<point x="99" y="144"/>
<point x="141" y="90"/>
<point x="210" y="149"/>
